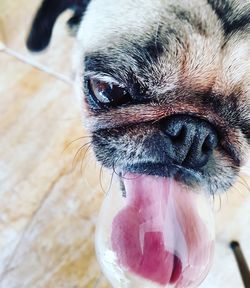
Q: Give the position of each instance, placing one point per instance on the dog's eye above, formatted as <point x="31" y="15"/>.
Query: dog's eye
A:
<point x="107" y="93"/>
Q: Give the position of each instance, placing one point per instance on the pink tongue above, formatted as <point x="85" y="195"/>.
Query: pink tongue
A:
<point x="151" y="234"/>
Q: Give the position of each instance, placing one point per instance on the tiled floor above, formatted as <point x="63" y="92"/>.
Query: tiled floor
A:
<point x="49" y="199"/>
<point x="49" y="203"/>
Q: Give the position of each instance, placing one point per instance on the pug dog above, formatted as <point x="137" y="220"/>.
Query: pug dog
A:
<point x="165" y="84"/>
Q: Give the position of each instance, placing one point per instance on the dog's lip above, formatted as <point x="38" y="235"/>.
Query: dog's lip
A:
<point x="179" y="173"/>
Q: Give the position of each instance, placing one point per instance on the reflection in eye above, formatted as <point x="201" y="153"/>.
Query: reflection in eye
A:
<point x="108" y="93"/>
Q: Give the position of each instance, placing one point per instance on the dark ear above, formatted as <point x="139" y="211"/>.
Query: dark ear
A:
<point x="43" y="23"/>
<point x="41" y="28"/>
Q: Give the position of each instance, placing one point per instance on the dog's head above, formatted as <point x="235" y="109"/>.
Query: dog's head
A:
<point x="165" y="83"/>
<point x="166" y="87"/>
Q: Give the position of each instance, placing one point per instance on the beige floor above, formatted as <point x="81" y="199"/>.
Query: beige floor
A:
<point x="49" y="204"/>
<point x="49" y="198"/>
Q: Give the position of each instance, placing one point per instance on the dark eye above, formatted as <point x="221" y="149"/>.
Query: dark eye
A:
<point x="107" y="94"/>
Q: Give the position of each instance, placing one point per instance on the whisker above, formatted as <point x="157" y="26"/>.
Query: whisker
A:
<point x="110" y="184"/>
<point x="215" y="203"/>
<point x="220" y="202"/>
<point x="83" y="158"/>
<point x="213" y="198"/>
<point x="129" y="178"/>
<point x="113" y="167"/>
<point x="71" y="142"/>
<point x="100" y="179"/>
<point x="122" y="176"/>
<point x="77" y="153"/>
<point x="157" y="34"/>
<point x="236" y="189"/>
<point x="244" y="183"/>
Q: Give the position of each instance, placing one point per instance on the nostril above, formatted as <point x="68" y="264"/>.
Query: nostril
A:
<point x="206" y="147"/>
<point x="179" y="137"/>
<point x="209" y="143"/>
<point x="176" y="131"/>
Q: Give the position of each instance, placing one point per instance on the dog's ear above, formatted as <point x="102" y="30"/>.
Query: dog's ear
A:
<point x="46" y="16"/>
<point x="41" y="28"/>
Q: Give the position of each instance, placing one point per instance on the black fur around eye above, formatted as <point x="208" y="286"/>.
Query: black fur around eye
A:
<point x="107" y="94"/>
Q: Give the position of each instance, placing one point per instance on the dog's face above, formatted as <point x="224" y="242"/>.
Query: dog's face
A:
<point x="166" y="87"/>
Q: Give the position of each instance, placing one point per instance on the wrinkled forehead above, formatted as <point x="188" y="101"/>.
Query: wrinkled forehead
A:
<point x="196" y="42"/>
<point x="107" y="23"/>
<point x="131" y="27"/>
<point x="152" y="39"/>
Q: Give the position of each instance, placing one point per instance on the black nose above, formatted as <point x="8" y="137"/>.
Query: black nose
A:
<point x="191" y="140"/>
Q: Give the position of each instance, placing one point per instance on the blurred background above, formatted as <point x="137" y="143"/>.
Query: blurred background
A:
<point x="51" y="188"/>
<point x="49" y="197"/>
